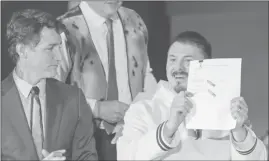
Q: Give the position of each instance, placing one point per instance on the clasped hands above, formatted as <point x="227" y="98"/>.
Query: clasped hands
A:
<point x="55" y="155"/>
<point x="113" y="112"/>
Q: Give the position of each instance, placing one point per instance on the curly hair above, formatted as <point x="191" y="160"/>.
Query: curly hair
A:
<point x="25" y="26"/>
<point x="197" y="39"/>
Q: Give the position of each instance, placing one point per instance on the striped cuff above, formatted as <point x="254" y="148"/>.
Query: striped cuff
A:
<point x="248" y="145"/>
<point x="248" y="151"/>
<point x="160" y="140"/>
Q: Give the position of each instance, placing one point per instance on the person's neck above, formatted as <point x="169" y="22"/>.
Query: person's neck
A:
<point x="106" y="16"/>
<point x="102" y="14"/>
<point x="26" y="75"/>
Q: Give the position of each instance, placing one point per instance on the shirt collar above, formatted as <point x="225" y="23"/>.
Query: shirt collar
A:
<point x="91" y="16"/>
<point x="25" y="88"/>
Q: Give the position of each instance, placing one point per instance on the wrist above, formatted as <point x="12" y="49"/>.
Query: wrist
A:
<point x="238" y="129"/>
<point x="239" y="134"/>
<point x="97" y="110"/>
<point x="169" y="129"/>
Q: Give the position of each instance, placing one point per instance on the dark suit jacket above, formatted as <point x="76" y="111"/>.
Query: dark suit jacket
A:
<point x="68" y="124"/>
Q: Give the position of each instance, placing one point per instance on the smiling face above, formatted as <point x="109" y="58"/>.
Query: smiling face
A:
<point x="177" y="67"/>
<point x="43" y="59"/>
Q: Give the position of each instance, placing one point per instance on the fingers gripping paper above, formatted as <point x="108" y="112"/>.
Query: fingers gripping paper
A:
<point x="214" y="83"/>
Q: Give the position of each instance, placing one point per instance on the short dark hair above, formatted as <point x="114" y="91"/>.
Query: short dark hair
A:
<point x="25" y="26"/>
<point x="197" y="39"/>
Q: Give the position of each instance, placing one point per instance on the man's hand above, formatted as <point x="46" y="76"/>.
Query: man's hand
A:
<point x="118" y="130"/>
<point x="56" y="155"/>
<point x="112" y="111"/>
<point x="181" y="106"/>
<point x="239" y="111"/>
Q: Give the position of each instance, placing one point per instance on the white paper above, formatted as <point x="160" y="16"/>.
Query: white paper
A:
<point x="214" y="82"/>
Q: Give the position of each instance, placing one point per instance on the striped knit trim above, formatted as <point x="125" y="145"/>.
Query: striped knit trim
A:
<point x="159" y="138"/>
<point x="250" y="150"/>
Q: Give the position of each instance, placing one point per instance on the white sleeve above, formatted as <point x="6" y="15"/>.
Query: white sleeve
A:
<point x="251" y="148"/>
<point x="92" y="103"/>
<point x="141" y="139"/>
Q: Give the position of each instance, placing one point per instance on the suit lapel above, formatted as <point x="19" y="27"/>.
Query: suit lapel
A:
<point x="54" y="111"/>
<point x="90" y="47"/>
<point x="123" y="22"/>
<point x="12" y="104"/>
<point x="124" y="29"/>
<point x="91" y="61"/>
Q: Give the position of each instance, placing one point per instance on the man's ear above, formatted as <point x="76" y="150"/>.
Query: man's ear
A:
<point x="21" y="50"/>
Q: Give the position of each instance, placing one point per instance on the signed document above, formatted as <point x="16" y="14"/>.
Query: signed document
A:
<point x="214" y="83"/>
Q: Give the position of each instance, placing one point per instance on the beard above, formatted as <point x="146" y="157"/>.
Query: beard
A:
<point x="180" y="84"/>
<point x="178" y="88"/>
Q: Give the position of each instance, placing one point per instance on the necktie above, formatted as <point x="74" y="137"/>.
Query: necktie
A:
<point x="36" y="121"/>
<point x="112" y="88"/>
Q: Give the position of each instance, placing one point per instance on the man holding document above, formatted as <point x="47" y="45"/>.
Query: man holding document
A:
<point x="164" y="125"/>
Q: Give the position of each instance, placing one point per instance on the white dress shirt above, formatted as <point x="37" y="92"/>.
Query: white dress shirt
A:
<point x="24" y="89"/>
<point x="98" y="31"/>
<point x="142" y="137"/>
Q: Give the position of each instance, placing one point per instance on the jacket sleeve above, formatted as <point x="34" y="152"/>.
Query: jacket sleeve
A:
<point x="251" y="148"/>
<point x="141" y="139"/>
<point x="150" y="82"/>
<point x="75" y="56"/>
<point x="84" y="142"/>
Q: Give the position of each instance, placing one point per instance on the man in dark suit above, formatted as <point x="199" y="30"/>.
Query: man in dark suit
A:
<point x="42" y="118"/>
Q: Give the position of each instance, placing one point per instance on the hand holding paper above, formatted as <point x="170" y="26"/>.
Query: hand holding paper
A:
<point x="214" y="82"/>
<point x="180" y="108"/>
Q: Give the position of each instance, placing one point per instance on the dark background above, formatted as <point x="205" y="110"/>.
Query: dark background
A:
<point x="236" y="29"/>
